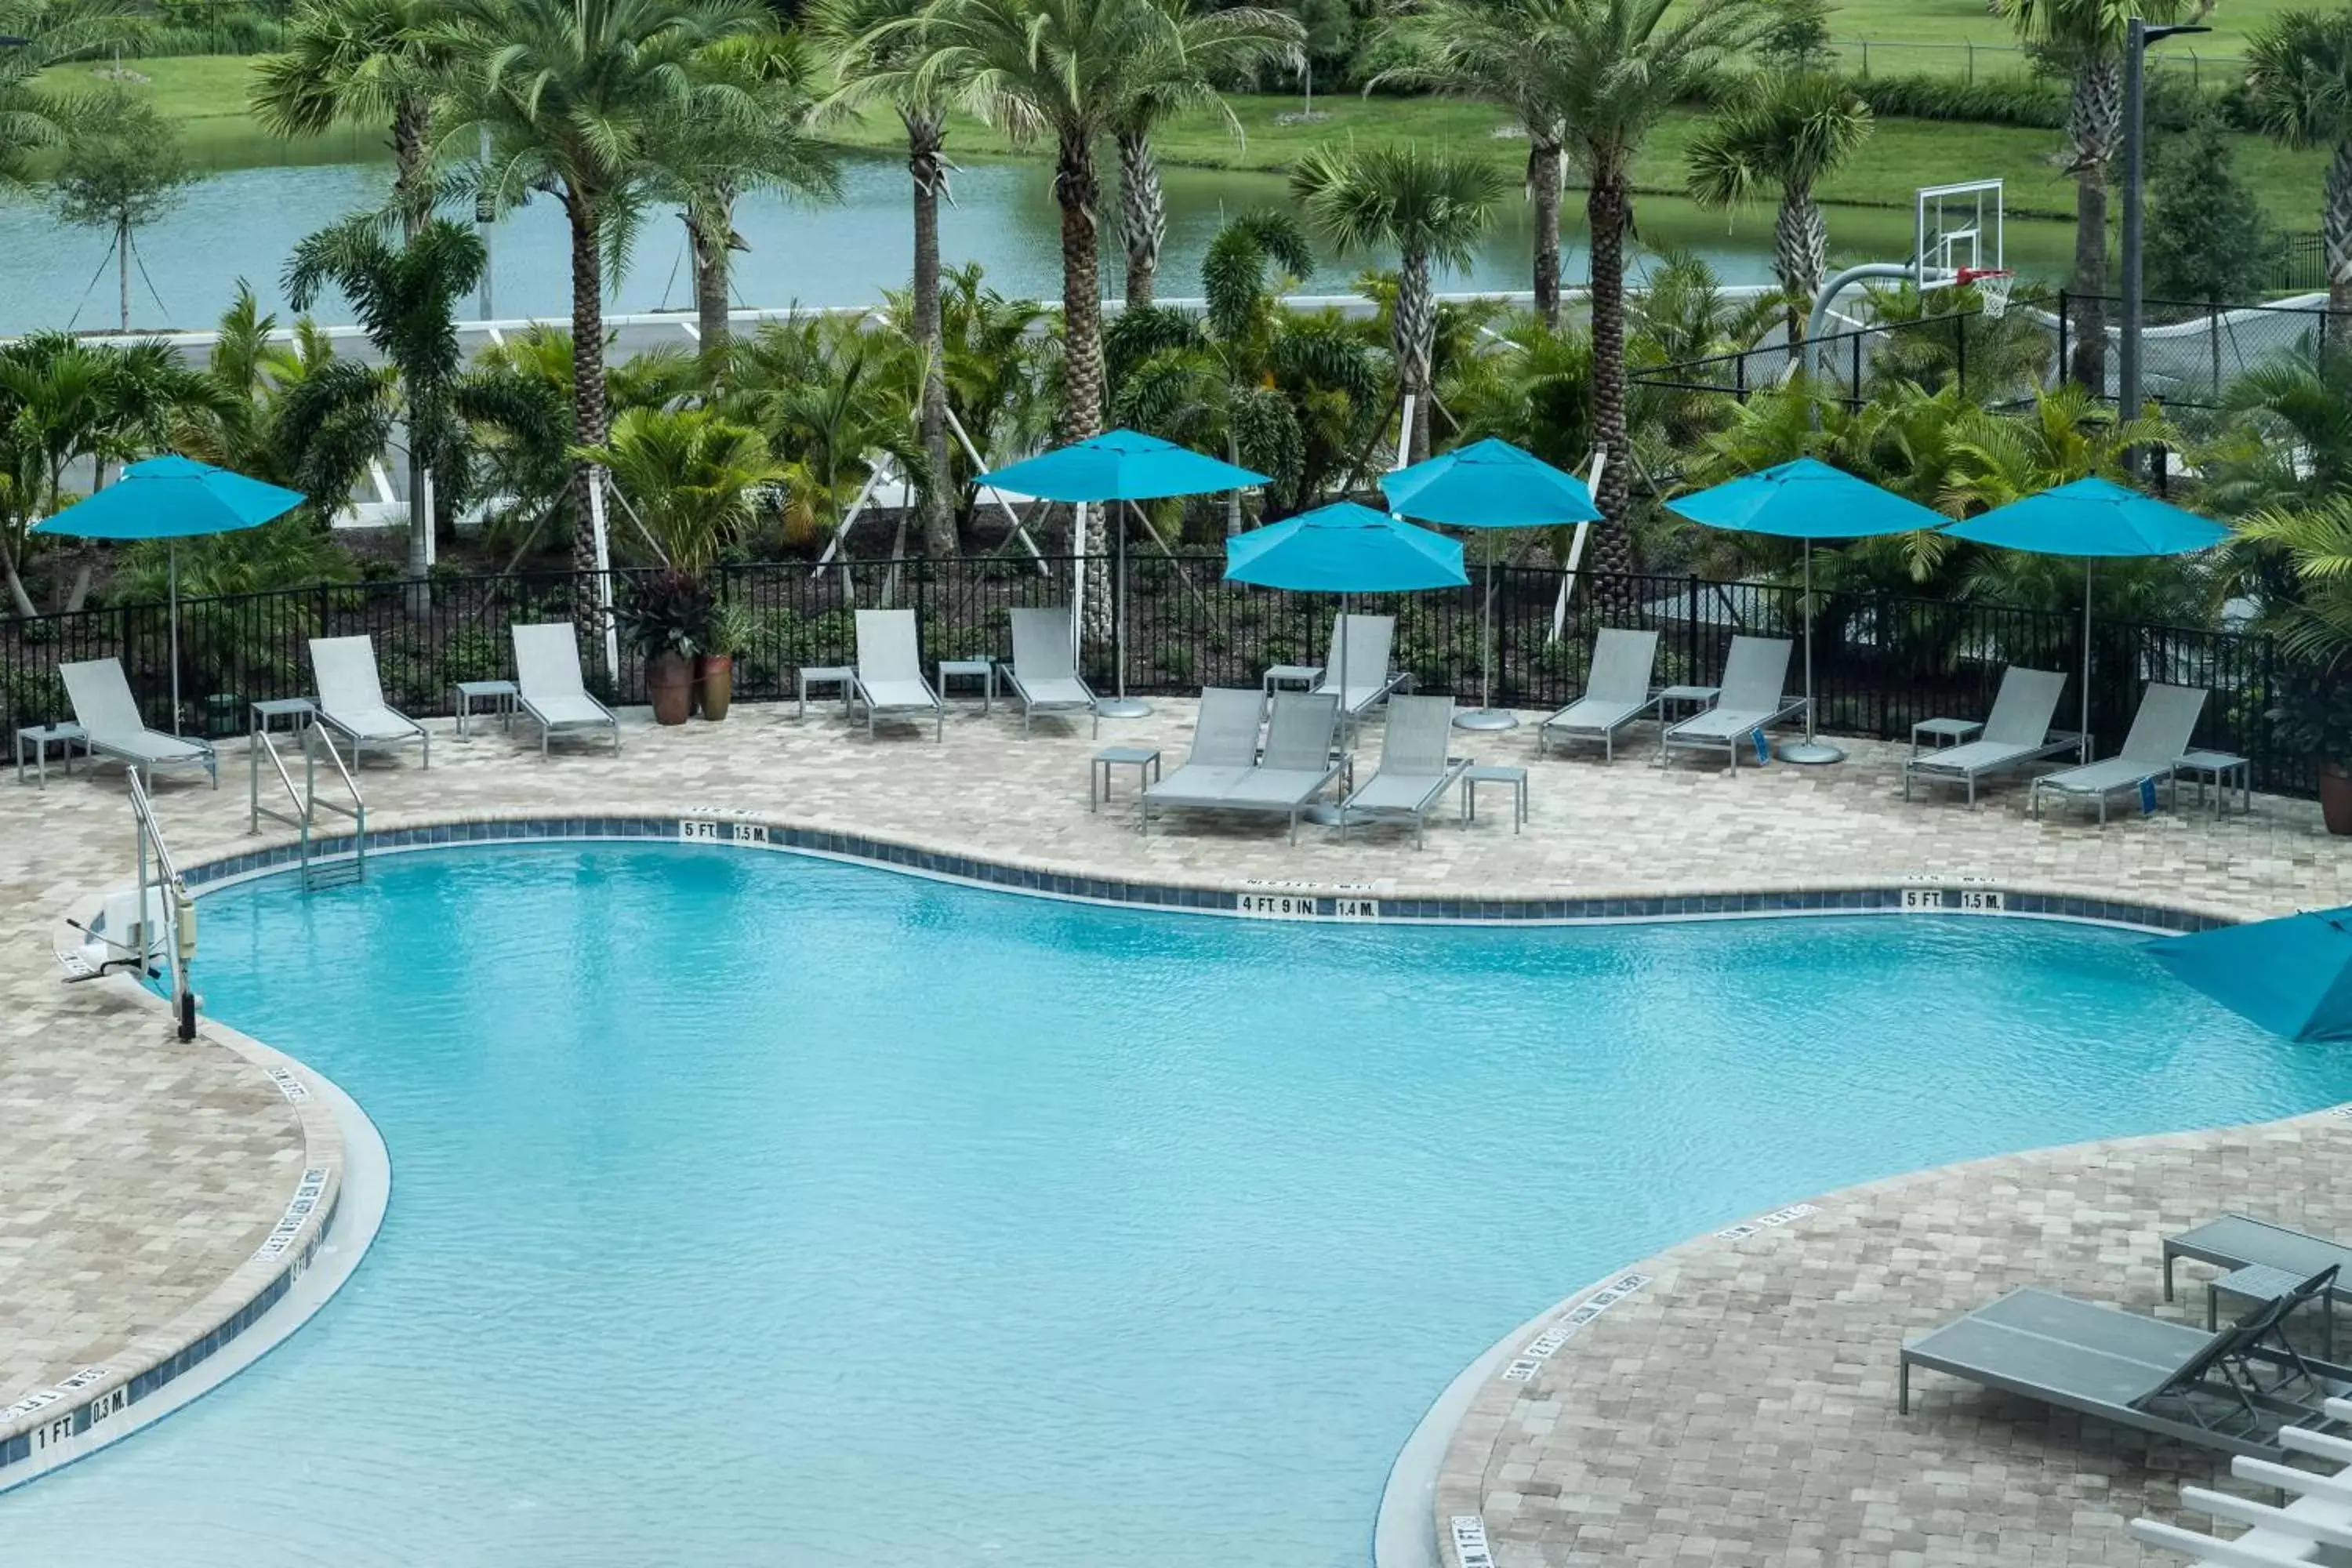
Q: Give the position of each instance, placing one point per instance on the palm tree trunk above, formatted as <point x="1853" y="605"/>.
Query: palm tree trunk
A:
<point x="1142" y="213"/>
<point x="1077" y="194"/>
<point x="1545" y="162"/>
<point x="1608" y="207"/>
<point x="1801" y="250"/>
<point x="122" y="265"/>
<point x="412" y="178"/>
<point x="1413" y="339"/>
<point x="2095" y="122"/>
<point x="710" y="231"/>
<point x="587" y="399"/>
<point x="2336" y="223"/>
<point x="927" y="163"/>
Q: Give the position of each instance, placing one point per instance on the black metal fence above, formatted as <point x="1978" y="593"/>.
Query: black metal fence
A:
<point x="1884" y="661"/>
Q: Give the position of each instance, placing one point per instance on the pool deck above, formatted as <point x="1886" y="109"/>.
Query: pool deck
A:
<point x="1739" y="1409"/>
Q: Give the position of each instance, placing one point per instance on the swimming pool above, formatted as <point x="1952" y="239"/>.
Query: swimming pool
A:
<point x="753" y="1209"/>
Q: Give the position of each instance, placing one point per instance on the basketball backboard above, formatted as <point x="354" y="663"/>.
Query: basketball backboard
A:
<point x="1958" y="227"/>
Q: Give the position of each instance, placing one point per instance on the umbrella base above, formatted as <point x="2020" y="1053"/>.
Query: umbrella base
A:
<point x="1486" y="718"/>
<point x="1811" y="754"/>
<point x="1123" y="708"/>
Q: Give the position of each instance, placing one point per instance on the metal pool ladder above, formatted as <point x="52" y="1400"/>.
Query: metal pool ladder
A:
<point x="306" y="803"/>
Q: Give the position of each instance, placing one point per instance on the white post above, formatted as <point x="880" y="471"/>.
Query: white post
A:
<point x="1078" y="580"/>
<point x="605" y="577"/>
<point x="1576" y="548"/>
<point x="432" y="542"/>
<point x="1404" y="436"/>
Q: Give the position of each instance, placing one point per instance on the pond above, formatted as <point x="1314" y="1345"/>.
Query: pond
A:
<point x="241" y="222"/>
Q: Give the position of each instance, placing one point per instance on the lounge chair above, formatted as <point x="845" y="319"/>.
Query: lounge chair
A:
<point x="350" y="698"/>
<point x="549" y="689"/>
<point x="2231" y="1391"/>
<point x="1296" y="764"/>
<point x="889" y="677"/>
<point x="1361" y="646"/>
<point x="2237" y="1241"/>
<point x="109" y="716"/>
<point x="1415" y="770"/>
<point x="1616" y="691"/>
<point x="1044" y="669"/>
<point x="2016" y="733"/>
<point x="1225" y="747"/>
<point x="2160" y="736"/>
<point x="1754" y="695"/>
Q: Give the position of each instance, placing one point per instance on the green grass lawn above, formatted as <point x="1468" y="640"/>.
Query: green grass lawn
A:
<point x="206" y="94"/>
<point x="1955" y="22"/>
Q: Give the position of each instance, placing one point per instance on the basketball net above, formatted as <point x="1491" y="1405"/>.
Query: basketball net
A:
<point x="1992" y="284"/>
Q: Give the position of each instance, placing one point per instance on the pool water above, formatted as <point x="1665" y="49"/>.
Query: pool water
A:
<point x="750" y="1209"/>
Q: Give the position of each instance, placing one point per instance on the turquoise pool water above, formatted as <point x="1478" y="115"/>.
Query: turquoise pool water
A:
<point x="752" y="1210"/>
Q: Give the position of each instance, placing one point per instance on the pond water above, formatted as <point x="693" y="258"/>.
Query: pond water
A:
<point x="241" y="222"/>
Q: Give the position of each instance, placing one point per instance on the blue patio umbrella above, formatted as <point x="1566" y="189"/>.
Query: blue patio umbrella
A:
<point x="173" y="498"/>
<point x="1806" y="499"/>
<point x="1115" y="466"/>
<point x="1490" y="484"/>
<point x="2292" y="975"/>
<point x="2091" y="518"/>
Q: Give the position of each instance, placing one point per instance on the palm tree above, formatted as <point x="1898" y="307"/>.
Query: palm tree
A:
<point x="2089" y="33"/>
<point x="1201" y="48"/>
<point x="365" y="62"/>
<point x="1432" y="208"/>
<point x="407" y="300"/>
<point x="1622" y="66"/>
<point x="873" y="54"/>
<point x="713" y="162"/>
<point x="1789" y="133"/>
<point x="1069" y="69"/>
<point x="1505" y="51"/>
<point x="578" y="97"/>
<point x="2299" y="76"/>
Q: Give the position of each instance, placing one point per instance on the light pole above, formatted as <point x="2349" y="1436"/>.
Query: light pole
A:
<point x="2138" y="36"/>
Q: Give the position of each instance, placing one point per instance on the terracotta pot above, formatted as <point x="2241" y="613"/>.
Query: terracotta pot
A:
<point x="714" y="684"/>
<point x="669" y="686"/>
<point x="2336" y="798"/>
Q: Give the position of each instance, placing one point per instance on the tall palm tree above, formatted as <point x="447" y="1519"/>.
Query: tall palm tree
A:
<point x="1069" y="69"/>
<point x="713" y="162"/>
<point x="1202" y="48"/>
<point x="874" y="52"/>
<point x="2090" y="34"/>
<point x="2299" y="75"/>
<point x="407" y="301"/>
<point x="1505" y="51"/>
<point x="578" y="99"/>
<point x="1430" y="208"/>
<point x="361" y="62"/>
<point x="1623" y="65"/>
<point x="1786" y="135"/>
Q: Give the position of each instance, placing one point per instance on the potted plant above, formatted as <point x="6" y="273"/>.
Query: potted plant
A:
<point x="714" y="668"/>
<point x="2313" y="719"/>
<point x="668" y="619"/>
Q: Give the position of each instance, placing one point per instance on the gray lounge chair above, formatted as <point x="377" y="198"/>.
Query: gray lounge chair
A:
<point x="890" y="674"/>
<point x="1044" y="669"/>
<point x="2237" y="1241"/>
<point x="2159" y="737"/>
<point x="1754" y="696"/>
<point x="1414" y="772"/>
<point x="549" y="689"/>
<point x="2017" y="733"/>
<point x="1361" y="646"/>
<point x="1296" y="764"/>
<point x="2231" y="1391"/>
<point x="350" y="698"/>
<point x="1225" y="747"/>
<point x="109" y="716"/>
<point x="1616" y="691"/>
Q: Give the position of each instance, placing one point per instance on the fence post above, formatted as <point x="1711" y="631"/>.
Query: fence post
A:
<point x="1866" y="59"/>
<point x="1853" y="388"/>
<point x="1972" y="62"/>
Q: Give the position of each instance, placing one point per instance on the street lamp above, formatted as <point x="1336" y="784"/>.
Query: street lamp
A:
<point x="2138" y="36"/>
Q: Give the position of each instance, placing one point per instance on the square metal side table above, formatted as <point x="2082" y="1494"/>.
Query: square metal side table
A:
<point x="842" y="678"/>
<point x="1517" y="778"/>
<point x="500" y="695"/>
<point x="1144" y="760"/>
<point x="2258" y="1282"/>
<point x="980" y="669"/>
<point x="65" y="737"/>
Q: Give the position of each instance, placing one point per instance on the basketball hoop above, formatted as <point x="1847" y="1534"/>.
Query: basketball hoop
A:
<point x="1992" y="284"/>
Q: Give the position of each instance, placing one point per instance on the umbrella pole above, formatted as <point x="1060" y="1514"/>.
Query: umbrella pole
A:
<point x="1327" y="814"/>
<point x="1812" y="751"/>
<point x="1121" y="706"/>
<point x="1485" y="715"/>
<point x="2086" y="753"/>
<point x="174" y="578"/>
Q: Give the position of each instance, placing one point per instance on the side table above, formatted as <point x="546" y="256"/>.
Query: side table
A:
<point x="2257" y="1282"/>
<point x="1943" y="731"/>
<point x="1142" y="759"/>
<point x="1302" y="676"/>
<point x="840" y="677"/>
<point x="980" y="669"/>
<point x="499" y="694"/>
<point x="2223" y="770"/>
<point x="65" y="737"/>
<point x="1495" y="774"/>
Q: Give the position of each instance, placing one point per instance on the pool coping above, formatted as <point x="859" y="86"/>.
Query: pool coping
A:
<point x="147" y="1380"/>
